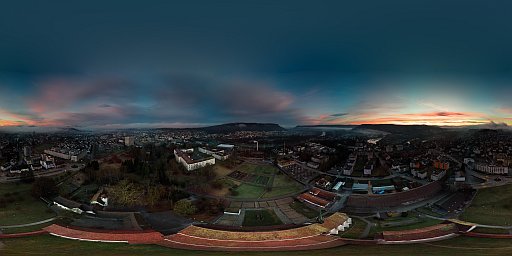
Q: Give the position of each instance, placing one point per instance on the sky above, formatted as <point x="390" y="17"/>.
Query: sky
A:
<point x="133" y="64"/>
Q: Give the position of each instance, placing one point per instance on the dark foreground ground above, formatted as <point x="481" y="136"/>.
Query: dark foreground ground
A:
<point x="49" y="245"/>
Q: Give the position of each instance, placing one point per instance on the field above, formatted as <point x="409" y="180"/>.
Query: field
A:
<point x="48" y="245"/>
<point x="249" y="191"/>
<point x="279" y="191"/>
<point x="304" y="210"/>
<point x="355" y="230"/>
<point x="252" y="181"/>
<point x="421" y="223"/>
<point x="21" y="207"/>
<point x="258" y="169"/>
<point x="491" y="206"/>
<point x="261" y="218"/>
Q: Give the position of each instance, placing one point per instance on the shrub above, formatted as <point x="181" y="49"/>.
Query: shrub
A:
<point x="184" y="207"/>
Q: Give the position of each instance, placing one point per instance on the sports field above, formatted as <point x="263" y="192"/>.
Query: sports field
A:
<point x="266" y="217"/>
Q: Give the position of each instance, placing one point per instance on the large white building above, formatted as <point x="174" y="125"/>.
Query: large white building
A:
<point x="189" y="163"/>
<point x="73" y="155"/>
<point x="129" y="141"/>
<point x="491" y="169"/>
<point x="218" y="154"/>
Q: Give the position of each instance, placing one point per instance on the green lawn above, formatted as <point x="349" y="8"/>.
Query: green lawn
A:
<point x="267" y="170"/>
<point x="355" y="230"/>
<point x="283" y="180"/>
<point x="304" y="210"/>
<point x="249" y="191"/>
<point x="491" y="230"/>
<point x="491" y="206"/>
<point x="25" y="229"/>
<point x="423" y="222"/>
<point x="21" y="207"/>
<point x="280" y="191"/>
<point x="255" y="218"/>
<point x="48" y="245"/>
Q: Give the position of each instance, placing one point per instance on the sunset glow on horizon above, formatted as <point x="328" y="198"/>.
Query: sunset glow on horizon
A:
<point x="189" y="64"/>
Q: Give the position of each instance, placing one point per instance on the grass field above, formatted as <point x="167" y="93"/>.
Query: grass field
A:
<point x="304" y="210"/>
<point x="48" y="245"/>
<point x="249" y="191"/>
<point x="281" y="183"/>
<point x="424" y="222"/>
<point x="279" y="191"/>
<point x="258" y="169"/>
<point x="283" y="180"/>
<point x="21" y="208"/>
<point x="25" y="229"/>
<point x="255" y="218"/>
<point x="491" y="206"/>
<point x="491" y="230"/>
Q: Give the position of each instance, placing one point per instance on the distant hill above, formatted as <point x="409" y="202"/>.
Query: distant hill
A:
<point x="234" y="127"/>
<point x="39" y="129"/>
<point x="416" y="130"/>
<point x="69" y="130"/>
<point x="326" y="126"/>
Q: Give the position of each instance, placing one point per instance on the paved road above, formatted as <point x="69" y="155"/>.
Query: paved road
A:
<point x="166" y="222"/>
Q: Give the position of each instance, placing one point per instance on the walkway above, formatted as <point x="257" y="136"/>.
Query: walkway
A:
<point x="368" y="227"/>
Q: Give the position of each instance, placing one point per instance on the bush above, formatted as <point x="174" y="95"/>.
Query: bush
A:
<point x="184" y="207"/>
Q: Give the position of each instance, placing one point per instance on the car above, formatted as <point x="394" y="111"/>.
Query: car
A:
<point x="498" y="179"/>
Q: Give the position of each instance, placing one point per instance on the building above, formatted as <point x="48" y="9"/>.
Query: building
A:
<point x="73" y="155"/>
<point x="368" y="169"/>
<point x="491" y="168"/>
<point x="348" y="169"/>
<point x="217" y="153"/>
<point x="437" y="175"/>
<point x="313" y="165"/>
<point x="27" y="151"/>
<point x="191" y="163"/>
<point x="226" y="146"/>
<point x="129" y="141"/>
<point x="468" y="160"/>
<point x="443" y="165"/>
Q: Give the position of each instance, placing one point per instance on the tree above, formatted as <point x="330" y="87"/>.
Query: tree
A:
<point x="153" y="194"/>
<point x="184" y="207"/>
<point x="126" y="192"/>
<point x="44" y="187"/>
<point x="95" y="165"/>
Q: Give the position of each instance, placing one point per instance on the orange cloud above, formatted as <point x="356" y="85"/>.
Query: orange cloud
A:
<point x="441" y="118"/>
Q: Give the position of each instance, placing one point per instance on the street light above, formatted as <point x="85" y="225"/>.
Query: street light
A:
<point x="254" y="141"/>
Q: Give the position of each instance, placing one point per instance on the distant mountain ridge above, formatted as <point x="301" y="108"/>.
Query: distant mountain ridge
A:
<point x="401" y="129"/>
<point x="234" y="127"/>
<point x="326" y="126"/>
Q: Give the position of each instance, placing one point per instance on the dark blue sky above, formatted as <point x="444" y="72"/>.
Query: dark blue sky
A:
<point x="169" y="63"/>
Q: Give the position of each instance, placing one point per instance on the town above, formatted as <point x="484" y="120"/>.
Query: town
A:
<point x="237" y="179"/>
